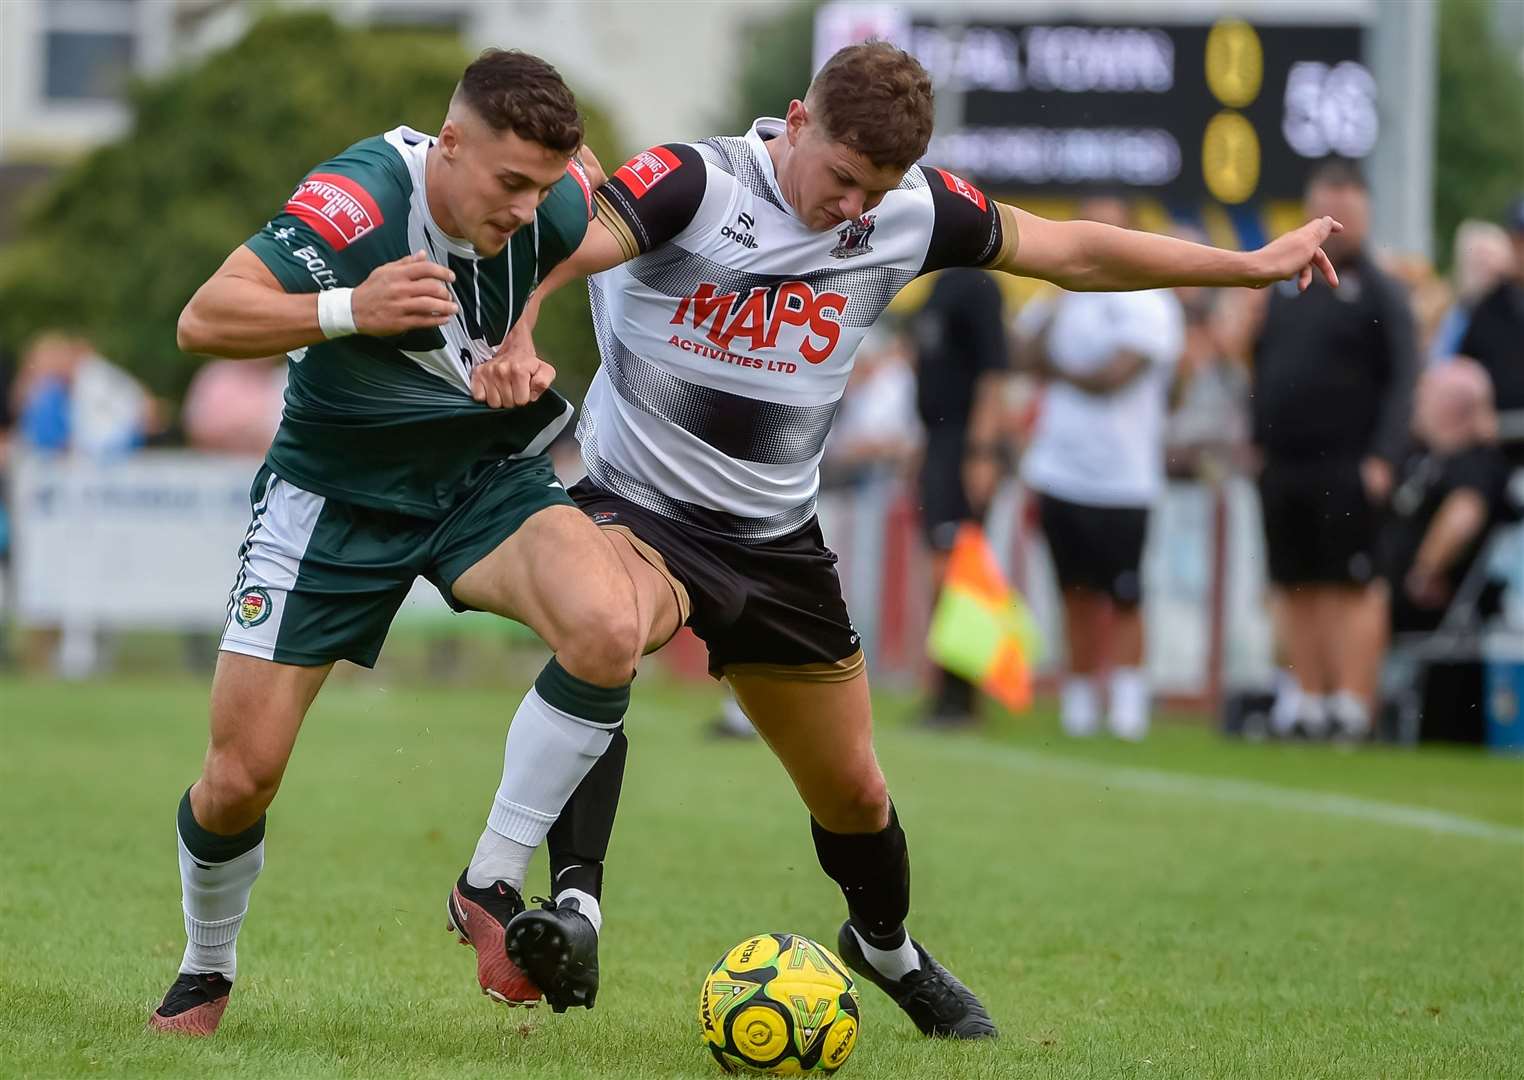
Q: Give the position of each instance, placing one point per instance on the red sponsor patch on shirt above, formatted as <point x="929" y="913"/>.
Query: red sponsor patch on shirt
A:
<point x="645" y="170"/>
<point x="337" y="208"/>
<point x="959" y="186"/>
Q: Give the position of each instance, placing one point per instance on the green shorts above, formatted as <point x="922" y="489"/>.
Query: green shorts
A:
<point x="320" y="580"/>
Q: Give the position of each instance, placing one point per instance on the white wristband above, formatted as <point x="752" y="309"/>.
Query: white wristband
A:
<point x="336" y="315"/>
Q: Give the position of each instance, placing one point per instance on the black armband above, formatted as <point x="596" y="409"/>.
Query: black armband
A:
<point x="652" y="197"/>
<point x="966" y="229"/>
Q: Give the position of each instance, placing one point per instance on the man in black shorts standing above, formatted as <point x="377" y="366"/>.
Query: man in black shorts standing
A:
<point x="1096" y="464"/>
<point x="1333" y="382"/>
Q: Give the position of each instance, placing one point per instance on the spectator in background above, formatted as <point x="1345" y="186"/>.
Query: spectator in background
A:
<point x="962" y="362"/>
<point x="1495" y="339"/>
<point x="1451" y="489"/>
<point x="1332" y="384"/>
<point x="234" y="406"/>
<point x="1208" y="425"/>
<point x="877" y="430"/>
<point x="69" y="399"/>
<point x="7" y="381"/>
<point x="1483" y="258"/>
<point x="1096" y="463"/>
<point x="1428" y="295"/>
<point x="7" y="377"/>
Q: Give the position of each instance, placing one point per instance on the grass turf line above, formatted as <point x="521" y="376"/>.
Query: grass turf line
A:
<point x="1113" y="931"/>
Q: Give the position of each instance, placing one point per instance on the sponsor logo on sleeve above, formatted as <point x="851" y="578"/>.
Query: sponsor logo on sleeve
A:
<point x="337" y="208"/>
<point x="959" y="186"/>
<point x="647" y="169"/>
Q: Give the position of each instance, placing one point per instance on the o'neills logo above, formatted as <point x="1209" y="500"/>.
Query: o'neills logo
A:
<point x="337" y="208"/>
<point x="753" y="322"/>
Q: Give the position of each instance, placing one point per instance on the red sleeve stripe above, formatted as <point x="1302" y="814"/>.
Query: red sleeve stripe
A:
<point x="579" y="174"/>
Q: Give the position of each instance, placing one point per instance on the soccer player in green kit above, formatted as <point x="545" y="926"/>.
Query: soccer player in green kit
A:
<point x="394" y="270"/>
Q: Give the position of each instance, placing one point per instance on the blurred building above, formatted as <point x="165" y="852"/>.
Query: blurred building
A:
<point x="65" y="65"/>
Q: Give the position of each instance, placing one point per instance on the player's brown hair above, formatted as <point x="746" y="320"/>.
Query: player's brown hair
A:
<point x="515" y="91"/>
<point x="875" y="99"/>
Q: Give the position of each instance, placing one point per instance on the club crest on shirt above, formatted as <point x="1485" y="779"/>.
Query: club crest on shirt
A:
<point x="252" y="607"/>
<point x="852" y="238"/>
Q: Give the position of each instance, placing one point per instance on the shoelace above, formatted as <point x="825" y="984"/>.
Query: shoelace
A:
<point x="935" y="993"/>
<point x="200" y="990"/>
<point x="497" y="895"/>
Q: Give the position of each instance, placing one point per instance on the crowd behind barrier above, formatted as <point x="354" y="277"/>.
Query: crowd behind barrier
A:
<point x="117" y="512"/>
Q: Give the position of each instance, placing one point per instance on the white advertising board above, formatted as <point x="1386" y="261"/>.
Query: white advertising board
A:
<point x="149" y="540"/>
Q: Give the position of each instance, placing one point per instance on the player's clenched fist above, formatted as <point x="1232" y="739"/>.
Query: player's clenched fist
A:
<point x="515" y="375"/>
<point x="409" y="293"/>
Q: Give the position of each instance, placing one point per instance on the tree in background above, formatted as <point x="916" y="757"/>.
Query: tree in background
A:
<point x="775" y="66"/>
<point x="115" y="247"/>
<point x="1479" y="118"/>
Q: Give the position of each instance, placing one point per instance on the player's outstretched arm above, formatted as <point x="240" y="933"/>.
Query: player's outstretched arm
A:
<point x="243" y="311"/>
<point x="1087" y="256"/>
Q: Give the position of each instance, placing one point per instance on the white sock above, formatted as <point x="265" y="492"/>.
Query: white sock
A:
<point x="892" y="964"/>
<point x="734" y="718"/>
<point x="1079" y="705"/>
<point x="498" y="858"/>
<point x="587" y="904"/>
<point x="215" y="897"/>
<point x="1288" y="703"/>
<point x="1129" y="703"/>
<point x="1349" y="714"/>
<point x="545" y="757"/>
<point x="1312" y="713"/>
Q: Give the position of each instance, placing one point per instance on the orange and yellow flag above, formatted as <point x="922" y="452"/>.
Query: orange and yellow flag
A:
<point x="981" y="628"/>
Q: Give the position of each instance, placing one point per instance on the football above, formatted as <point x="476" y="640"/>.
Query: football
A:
<point x="781" y="1004"/>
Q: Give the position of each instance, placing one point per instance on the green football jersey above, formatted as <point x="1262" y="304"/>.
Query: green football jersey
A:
<point x="390" y="422"/>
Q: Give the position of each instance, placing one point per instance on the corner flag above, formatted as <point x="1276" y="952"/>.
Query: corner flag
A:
<point x="981" y="629"/>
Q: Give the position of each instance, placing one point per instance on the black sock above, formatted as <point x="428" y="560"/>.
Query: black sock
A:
<point x="873" y="871"/>
<point x="579" y="840"/>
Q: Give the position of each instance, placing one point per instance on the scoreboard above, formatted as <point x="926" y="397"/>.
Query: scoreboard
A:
<point x="1227" y="111"/>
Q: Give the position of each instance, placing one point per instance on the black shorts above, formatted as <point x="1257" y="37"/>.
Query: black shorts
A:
<point x="944" y="502"/>
<point x="1320" y="528"/>
<point x="770" y="608"/>
<point x="1096" y="547"/>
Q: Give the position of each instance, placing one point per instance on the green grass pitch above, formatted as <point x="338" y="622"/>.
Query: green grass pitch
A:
<point x="1187" y="908"/>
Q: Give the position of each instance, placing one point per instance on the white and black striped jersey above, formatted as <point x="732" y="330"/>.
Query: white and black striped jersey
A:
<point x="728" y="337"/>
